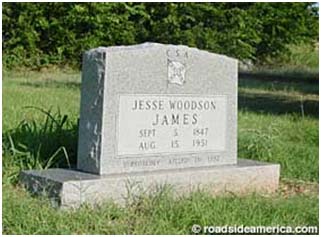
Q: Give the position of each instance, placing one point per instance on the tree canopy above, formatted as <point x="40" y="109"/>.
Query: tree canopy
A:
<point x="38" y="34"/>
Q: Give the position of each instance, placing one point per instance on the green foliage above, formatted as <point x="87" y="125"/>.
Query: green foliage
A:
<point x="39" y="34"/>
<point x="43" y="145"/>
<point x="301" y="57"/>
<point x="159" y="213"/>
<point x="285" y="24"/>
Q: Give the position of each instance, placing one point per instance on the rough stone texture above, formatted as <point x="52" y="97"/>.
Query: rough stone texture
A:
<point x="91" y="111"/>
<point x="144" y="69"/>
<point x="71" y="188"/>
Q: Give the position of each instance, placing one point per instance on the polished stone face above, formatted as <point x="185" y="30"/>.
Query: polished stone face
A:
<point x="158" y="124"/>
<point x="156" y="107"/>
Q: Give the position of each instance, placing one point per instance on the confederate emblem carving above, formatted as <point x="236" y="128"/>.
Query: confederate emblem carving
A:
<point x="176" y="65"/>
<point x="176" y="72"/>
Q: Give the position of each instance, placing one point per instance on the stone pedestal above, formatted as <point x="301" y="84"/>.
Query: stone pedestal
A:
<point x="71" y="188"/>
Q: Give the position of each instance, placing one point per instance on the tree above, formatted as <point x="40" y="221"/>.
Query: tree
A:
<point x="37" y="34"/>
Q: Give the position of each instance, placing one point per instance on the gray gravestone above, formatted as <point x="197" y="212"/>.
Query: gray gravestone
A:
<point x="154" y="106"/>
<point x="155" y="114"/>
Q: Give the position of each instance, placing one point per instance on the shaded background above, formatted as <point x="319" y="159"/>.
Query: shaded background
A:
<point x="42" y="34"/>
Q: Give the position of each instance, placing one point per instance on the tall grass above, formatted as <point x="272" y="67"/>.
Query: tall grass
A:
<point x="40" y="145"/>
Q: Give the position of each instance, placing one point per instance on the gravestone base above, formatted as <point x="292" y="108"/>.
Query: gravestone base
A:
<point x="71" y="188"/>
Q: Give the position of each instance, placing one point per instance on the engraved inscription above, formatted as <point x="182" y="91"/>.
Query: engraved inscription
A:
<point x="133" y="163"/>
<point x="141" y="163"/>
<point x="151" y="124"/>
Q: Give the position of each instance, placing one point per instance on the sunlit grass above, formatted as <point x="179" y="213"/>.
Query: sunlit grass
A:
<point x="277" y="122"/>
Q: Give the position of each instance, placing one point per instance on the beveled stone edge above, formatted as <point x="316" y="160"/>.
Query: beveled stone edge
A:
<point x="257" y="177"/>
<point x="147" y="45"/>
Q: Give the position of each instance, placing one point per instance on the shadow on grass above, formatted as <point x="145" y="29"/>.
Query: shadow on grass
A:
<point x="278" y="104"/>
<point x="306" y="76"/>
<point x="52" y="84"/>
<point x="279" y="86"/>
<point x="41" y="145"/>
<point x="279" y="95"/>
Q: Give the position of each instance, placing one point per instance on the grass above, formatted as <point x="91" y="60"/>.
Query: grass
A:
<point x="301" y="56"/>
<point x="300" y="63"/>
<point x="158" y="214"/>
<point x="277" y="122"/>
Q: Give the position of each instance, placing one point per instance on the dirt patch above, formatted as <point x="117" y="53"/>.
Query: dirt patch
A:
<point x="293" y="187"/>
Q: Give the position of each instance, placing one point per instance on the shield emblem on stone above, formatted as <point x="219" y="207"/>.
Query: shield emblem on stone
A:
<point x="176" y="72"/>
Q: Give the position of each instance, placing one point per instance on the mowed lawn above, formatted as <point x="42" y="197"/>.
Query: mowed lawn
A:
<point x="277" y="122"/>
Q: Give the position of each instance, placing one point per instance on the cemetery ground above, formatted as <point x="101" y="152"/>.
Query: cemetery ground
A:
<point x="277" y="122"/>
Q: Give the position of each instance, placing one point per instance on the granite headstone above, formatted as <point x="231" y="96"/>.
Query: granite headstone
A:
<point x="152" y="107"/>
<point x="155" y="114"/>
